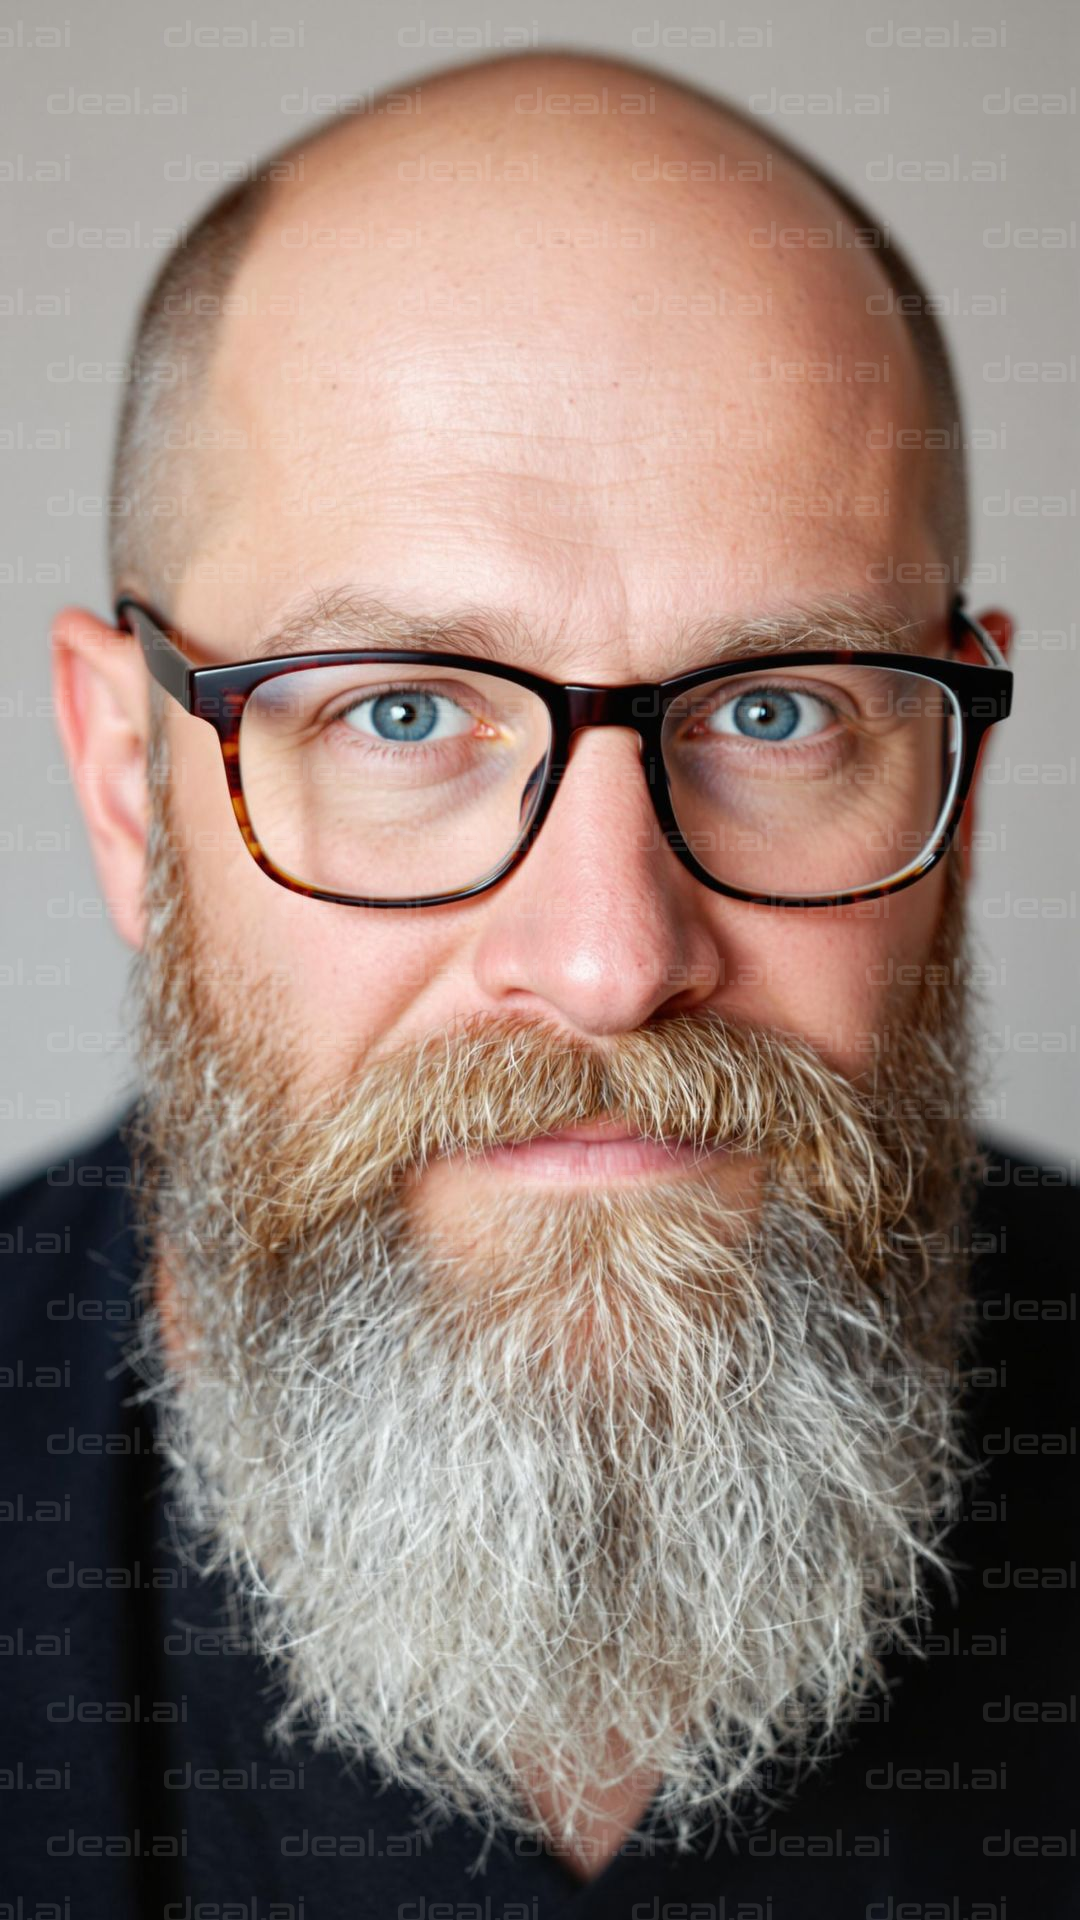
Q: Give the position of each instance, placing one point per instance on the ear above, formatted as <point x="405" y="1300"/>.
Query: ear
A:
<point x="102" y="696"/>
<point x="1000" y="628"/>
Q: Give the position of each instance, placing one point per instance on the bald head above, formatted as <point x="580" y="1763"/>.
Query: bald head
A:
<point x="497" y="226"/>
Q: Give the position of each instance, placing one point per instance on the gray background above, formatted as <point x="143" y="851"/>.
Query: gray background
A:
<point x="94" y="172"/>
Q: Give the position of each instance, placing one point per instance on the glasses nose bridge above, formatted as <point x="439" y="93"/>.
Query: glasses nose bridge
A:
<point x="635" y="706"/>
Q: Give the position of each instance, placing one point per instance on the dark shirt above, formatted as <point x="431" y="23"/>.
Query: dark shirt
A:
<point x="136" y="1779"/>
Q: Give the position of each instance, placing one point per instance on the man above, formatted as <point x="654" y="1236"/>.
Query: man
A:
<point x="512" y="1428"/>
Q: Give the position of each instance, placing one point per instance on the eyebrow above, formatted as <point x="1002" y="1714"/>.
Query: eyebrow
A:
<point x="345" y="618"/>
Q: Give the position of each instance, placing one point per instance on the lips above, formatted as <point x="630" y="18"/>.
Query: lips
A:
<point x="601" y="1150"/>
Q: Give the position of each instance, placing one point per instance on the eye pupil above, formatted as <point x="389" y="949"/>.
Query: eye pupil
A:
<point x="404" y="716"/>
<point x="771" y="716"/>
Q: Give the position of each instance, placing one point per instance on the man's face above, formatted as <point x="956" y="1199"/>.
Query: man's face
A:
<point x="475" y="420"/>
<point x="520" y="1431"/>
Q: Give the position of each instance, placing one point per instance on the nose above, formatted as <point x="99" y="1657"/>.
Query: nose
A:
<point x="600" y="926"/>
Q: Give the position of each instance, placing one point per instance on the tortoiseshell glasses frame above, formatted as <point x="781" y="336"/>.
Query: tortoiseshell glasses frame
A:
<point x="218" y="695"/>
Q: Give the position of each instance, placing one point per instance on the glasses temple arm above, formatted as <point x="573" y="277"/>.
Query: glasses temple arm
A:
<point x="986" y="640"/>
<point x="164" y="661"/>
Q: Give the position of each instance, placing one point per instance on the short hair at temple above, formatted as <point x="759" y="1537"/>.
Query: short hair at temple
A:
<point x="158" y="460"/>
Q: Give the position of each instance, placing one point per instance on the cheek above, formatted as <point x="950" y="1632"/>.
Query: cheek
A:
<point x="336" y="981"/>
<point x="238" y="942"/>
<point x="840" y="981"/>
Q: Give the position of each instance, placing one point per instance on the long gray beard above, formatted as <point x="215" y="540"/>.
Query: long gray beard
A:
<point x="657" y="1477"/>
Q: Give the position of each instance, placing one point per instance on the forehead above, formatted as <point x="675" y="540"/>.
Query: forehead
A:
<point x="570" y="300"/>
<point x="656" y="340"/>
<point x="617" y="425"/>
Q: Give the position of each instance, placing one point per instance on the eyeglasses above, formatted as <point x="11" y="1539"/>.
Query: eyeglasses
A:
<point x="404" y="778"/>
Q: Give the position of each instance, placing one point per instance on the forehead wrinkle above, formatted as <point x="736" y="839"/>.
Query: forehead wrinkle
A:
<point x="346" y="618"/>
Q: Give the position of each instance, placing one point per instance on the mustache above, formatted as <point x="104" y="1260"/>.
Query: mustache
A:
<point x="500" y="1081"/>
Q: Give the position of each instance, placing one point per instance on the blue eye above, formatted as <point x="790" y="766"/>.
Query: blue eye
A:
<point x="771" y="714"/>
<point x="408" y="714"/>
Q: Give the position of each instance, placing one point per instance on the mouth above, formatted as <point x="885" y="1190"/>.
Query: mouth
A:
<point x="599" y="1152"/>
